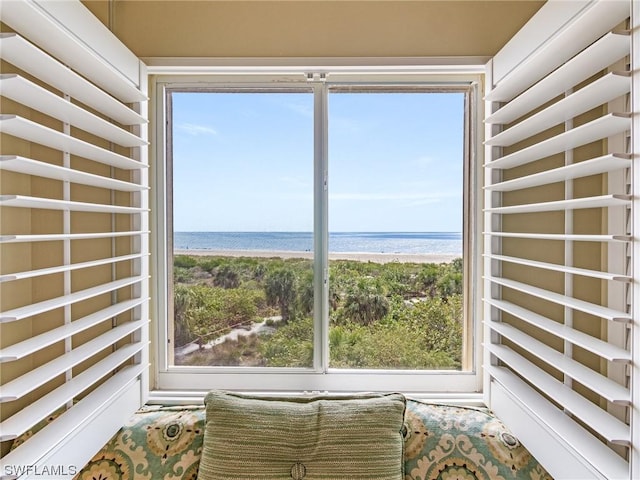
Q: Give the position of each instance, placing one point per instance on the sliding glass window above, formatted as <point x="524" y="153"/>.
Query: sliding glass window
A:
<point x="395" y="228"/>
<point x="242" y="205"/>
<point x="317" y="236"/>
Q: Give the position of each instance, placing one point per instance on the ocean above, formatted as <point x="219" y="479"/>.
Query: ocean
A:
<point x="442" y="243"/>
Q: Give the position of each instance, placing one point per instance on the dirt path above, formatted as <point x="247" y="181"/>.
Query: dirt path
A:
<point x="257" y="328"/>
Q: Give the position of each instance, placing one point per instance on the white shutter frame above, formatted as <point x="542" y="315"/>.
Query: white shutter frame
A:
<point x="549" y="415"/>
<point x="111" y="356"/>
<point x="594" y="20"/>
<point x="572" y="446"/>
<point x="86" y="45"/>
<point x="612" y="429"/>
<point x="635" y="181"/>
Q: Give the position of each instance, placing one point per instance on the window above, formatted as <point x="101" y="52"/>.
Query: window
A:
<point x="318" y="233"/>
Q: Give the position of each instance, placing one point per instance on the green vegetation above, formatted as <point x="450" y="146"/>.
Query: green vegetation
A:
<point x="393" y="315"/>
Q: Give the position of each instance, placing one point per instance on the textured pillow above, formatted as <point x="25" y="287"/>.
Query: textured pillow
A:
<point x="306" y="437"/>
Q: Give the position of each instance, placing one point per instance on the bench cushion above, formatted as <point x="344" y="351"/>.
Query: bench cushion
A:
<point x="443" y="442"/>
<point x="446" y="442"/>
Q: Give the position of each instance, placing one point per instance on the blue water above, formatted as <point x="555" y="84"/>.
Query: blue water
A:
<point x="446" y="243"/>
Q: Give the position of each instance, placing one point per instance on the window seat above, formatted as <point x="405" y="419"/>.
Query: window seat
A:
<point x="442" y="442"/>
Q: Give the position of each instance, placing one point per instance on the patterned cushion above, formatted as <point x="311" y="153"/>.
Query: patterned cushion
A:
<point x="455" y="443"/>
<point x="442" y="443"/>
<point x="157" y="443"/>
<point x="305" y="437"/>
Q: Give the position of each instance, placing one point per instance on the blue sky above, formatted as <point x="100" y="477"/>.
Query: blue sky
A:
<point x="244" y="162"/>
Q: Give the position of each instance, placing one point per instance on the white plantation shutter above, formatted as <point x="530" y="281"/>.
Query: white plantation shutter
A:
<point x="73" y="234"/>
<point x="558" y="241"/>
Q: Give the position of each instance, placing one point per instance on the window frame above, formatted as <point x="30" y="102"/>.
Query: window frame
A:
<point x="443" y="384"/>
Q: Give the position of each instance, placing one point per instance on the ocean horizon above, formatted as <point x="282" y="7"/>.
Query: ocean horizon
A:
<point x="420" y="243"/>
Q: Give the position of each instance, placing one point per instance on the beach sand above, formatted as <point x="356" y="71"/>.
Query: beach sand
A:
<point x="359" y="256"/>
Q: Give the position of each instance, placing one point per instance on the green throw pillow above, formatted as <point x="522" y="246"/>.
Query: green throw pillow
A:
<point x="305" y="437"/>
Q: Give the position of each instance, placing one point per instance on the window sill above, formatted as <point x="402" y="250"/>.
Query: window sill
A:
<point x="186" y="397"/>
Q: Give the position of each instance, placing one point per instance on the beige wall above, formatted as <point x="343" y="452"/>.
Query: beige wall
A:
<point x="159" y="28"/>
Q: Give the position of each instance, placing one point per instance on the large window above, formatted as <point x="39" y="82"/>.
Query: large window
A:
<point x="318" y="234"/>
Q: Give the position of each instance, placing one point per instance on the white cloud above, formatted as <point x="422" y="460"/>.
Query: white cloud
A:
<point x="194" y="129"/>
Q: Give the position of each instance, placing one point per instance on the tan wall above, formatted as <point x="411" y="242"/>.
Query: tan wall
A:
<point x="159" y="28"/>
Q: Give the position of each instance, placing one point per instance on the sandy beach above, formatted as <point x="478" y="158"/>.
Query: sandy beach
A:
<point x="359" y="256"/>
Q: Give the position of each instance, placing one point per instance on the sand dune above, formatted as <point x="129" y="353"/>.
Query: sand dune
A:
<point x="359" y="256"/>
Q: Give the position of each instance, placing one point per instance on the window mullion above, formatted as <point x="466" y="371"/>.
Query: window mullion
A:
<point x="320" y="230"/>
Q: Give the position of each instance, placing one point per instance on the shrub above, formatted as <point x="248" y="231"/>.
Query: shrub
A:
<point x="226" y="276"/>
<point x="373" y="324"/>
<point x="449" y="284"/>
<point x="365" y="303"/>
<point x="440" y="324"/>
<point x="280" y="288"/>
<point x="184" y="261"/>
<point x="290" y="346"/>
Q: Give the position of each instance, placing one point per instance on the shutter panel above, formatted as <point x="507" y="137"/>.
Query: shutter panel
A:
<point x="548" y="242"/>
<point x="74" y="234"/>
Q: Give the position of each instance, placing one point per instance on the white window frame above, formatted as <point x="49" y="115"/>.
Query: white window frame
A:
<point x="176" y="382"/>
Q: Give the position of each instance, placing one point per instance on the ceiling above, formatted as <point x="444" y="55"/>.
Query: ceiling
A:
<point x="312" y="28"/>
